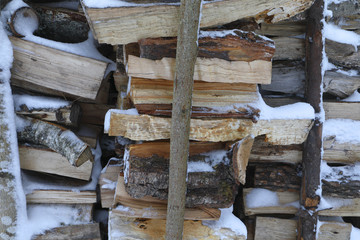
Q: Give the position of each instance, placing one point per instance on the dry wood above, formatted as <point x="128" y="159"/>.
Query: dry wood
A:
<point x="135" y="228"/>
<point x="147" y="174"/>
<point x="129" y="24"/>
<point x="23" y="14"/>
<point x="285" y="229"/>
<point x="149" y="207"/>
<point x="41" y="159"/>
<point x="206" y="69"/>
<point x="145" y="127"/>
<point x="287" y="48"/>
<point x="56" y="70"/>
<point x="348" y="110"/>
<point x="240" y="159"/>
<point x="93" y="113"/>
<point x="283" y="29"/>
<point x="107" y="182"/>
<point x="233" y="45"/>
<point x="58" y="139"/>
<point x="68" y="115"/>
<point x="339" y="84"/>
<point x="344" y="55"/>
<point x="338" y="152"/>
<point x="90" y="231"/>
<point x="61" y="197"/>
<point x="350" y="208"/>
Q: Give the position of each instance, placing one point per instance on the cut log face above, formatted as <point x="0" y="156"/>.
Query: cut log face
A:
<point x="149" y="207"/>
<point x="121" y="25"/>
<point x="206" y="69"/>
<point x="145" y="127"/>
<point x="21" y="15"/>
<point x="54" y="69"/>
<point x="210" y="181"/>
<point x="231" y="45"/>
<point x="45" y="160"/>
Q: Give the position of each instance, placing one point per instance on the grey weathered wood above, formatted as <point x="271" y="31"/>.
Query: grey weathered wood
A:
<point x="287" y="48"/>
<point x="339" y="84"/>
<point x="348" y="110"/>
<point x="90" y="231"/>
<point x="343" y="55"/>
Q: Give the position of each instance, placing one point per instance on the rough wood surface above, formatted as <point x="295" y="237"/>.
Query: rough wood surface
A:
<point x="234" y="46"/>
<point x="338" y="152"/>
<point x="148" y="229"/>
<point x="206" y="69"/>
<point x="41" y="159"/>
<point x="350" y="208"/>
<point x="54" y="69"/>
<point x="343" y="55"/>
<point x="149" y="207"/>
<point x="107" y="182"/>
<point x="58" y="139"/>
<point x="19" y="16"/>
<point x="129" y="24"/>
<point x="287" y="48"/>
<point x="240" y="159"/>
<point x="145" y="127"/>
<point x="147" y="174"/>
<point x="283" y="29"/>
<point x="89" y="231"/>
<point x="339" y="84"/>
<point x="61" y="197"/>
<point x="68" y="115"/>
<point x="348" y="110"/>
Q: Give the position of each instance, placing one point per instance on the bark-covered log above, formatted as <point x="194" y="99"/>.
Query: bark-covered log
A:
<point x="147" y="173"/>
<point x="21" y="15"/>
<point x="57" y="138"/>
<point x="229" y="45"/>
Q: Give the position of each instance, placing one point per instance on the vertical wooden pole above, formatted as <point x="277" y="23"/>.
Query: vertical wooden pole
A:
<point x="309" y="199"/>
<point x="186" y="54"/>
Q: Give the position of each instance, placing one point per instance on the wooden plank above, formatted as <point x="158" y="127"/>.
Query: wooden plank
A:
<point x="108" y="181"/>
<point x="282" y="29"/>
<point x="206" y="69"/>
<point x="121" y="227"/>
<point x="145" y="127"/>
<point x="56" y="70"/>
<point x="61" y="197"/>
<point x="90" y="231"/>
<point x="41" y="159"/>
<point x="348" y="110"/>
<point x="149" y="207"/>
<point x="129" y="24"/>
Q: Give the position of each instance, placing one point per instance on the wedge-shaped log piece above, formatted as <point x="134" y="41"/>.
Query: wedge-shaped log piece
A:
<point x="268" y="228"/>
<point x="61" y="197"/>
<point x="56" y="70"/>
<point x="149" y="207"/>
<point x="210" y="183"/>
<point x="344" y="55"/>
<point x="40" y="159"/>
<point x="108" y="181"/>
<point x="241" y="154"/>
<point x="125" y="24"/>
<point x="231" y="45"/>
<point x="90" y="231"/>
<point x="155" y="96"/>
<point x="145" y="127"/>
<point x="339" y="84"/>
<point x="339" y="152"/>
<point x="139" y="228"/>
<point x="206" y="69"/>
<point x="57" y="138"/>
<point x="348" y="110"/>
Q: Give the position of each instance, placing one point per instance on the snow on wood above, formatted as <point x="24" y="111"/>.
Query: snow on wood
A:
<point x="90" y="231"/>
<point x="24" y="15"/>
<point x="121" y="24"/>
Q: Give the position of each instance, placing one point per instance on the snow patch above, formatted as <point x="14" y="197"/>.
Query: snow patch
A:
<point x="38" y="102"/>
<point x="355" y="233"/>
<point x="337" y="34"/>
<point x="259" y="197"/>
<point x="355" y="97"/>
<point x="344" y="130"/>
<point x="199" y="167"/>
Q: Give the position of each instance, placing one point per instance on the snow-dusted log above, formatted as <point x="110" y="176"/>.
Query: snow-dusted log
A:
<point x="57" y="138"/>
<point x="21" y="15"/>
<point x="90" y="231"/>
<point x="343" y="55"/>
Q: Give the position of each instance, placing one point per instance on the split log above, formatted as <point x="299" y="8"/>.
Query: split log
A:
<point x="240" y="159"/>
<point x="344" y="55"/>
<point x="136" y="228"/>
<point x="61" y="197"/>
<point x="282" y="29"/>
<point x="339" y="84"/>
<point x="149" y="207"/>
<point x="108" y="181"/>
<point x="287" y="48"/>
<point x="206" y="69"/>
<point x="58" y="139"/>
<point x="61" y="25"/>
<point x="56" y="70"/>
<point x="94" y="113"/>
<point x="90" y="231"/>
<point x="145" y="127"/>
<point x="287" y="77"/>
<point x="21" y="15"/>
<point x="147" y="173"/>
<point x="67" y="115"/>
<point x="155" y="96"/>
<point x="164" y="17"/>
<point x="348" y="110"/>
<point x="339" y="152"/>
<point x="40" y="159"/>
<point x="275" y="228"/>
<point x="230" y="45"/>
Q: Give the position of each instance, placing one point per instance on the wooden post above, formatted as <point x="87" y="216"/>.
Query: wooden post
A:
<point x="186" y="54"/>
<point x="309" y="199"/>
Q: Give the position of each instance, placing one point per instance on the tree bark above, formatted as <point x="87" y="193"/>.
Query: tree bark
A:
<point x="309" y="200"/>
<point x="20" y="15"/>
<point x="180" y="125"/>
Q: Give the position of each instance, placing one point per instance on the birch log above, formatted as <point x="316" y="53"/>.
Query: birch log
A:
<point x="57" y="138"/>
